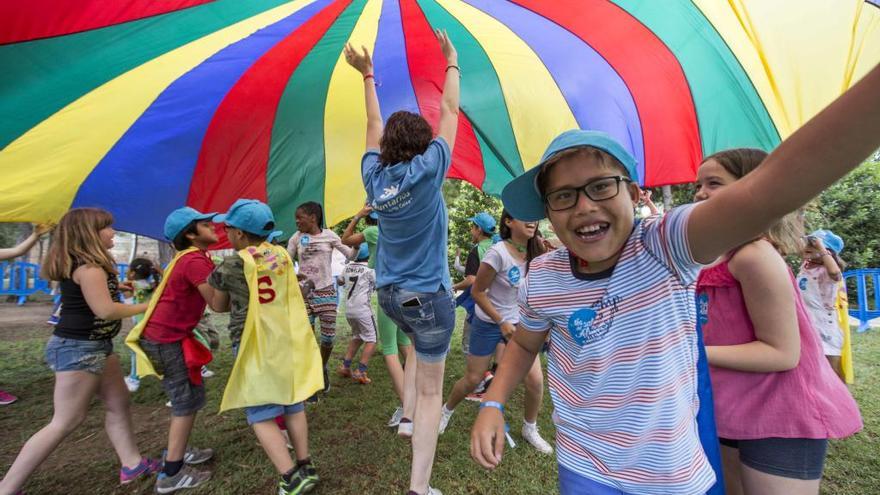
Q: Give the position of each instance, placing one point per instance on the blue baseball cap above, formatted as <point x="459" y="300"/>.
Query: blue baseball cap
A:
<point x="521" y="196"/>
<point x="484" y="221"/>
<point x="252" y="216"/>
<point x="180" y="218"/>
<point x="831" y="240"/>
<point x="374" y="215"/>
<point x="363" y="252"/>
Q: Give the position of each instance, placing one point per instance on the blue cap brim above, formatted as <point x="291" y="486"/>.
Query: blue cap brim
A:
<point x="274" y="235"/>
<point x="521" y="199"/>
<point x="206" y="216"/>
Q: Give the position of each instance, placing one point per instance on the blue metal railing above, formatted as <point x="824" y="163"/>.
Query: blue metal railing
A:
<point x="22" y="279"/>
<point x="864" y="309"/>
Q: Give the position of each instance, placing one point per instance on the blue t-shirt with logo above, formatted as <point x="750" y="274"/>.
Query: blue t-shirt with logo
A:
<point x="413" y="223"/>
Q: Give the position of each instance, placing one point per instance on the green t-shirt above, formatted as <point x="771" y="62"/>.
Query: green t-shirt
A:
<point x="371" y="236"/>
<point x="229" y="277"/>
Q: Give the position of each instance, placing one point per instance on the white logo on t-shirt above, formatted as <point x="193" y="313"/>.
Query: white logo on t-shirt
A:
<point x="389" y="192"/>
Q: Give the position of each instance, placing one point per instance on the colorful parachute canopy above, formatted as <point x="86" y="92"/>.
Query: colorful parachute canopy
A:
<point x="141" y="106"/>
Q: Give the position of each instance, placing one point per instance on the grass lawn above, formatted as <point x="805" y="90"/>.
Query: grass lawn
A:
<point x="352" y="448"/>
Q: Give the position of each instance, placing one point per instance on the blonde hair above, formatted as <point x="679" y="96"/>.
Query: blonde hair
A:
<point x="787" y="233"/>
<point x="76" y="241"/>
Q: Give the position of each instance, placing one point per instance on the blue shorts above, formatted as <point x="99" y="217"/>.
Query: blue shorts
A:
<point x="77" y="355"/>
<point x="427" y="317"/>
<point x="484" y="337"/>
<point x="268" y="412"/>
<point x="571" y="483"/>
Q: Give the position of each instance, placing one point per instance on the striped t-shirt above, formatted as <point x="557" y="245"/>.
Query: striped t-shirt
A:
<point x="622" y="361"/>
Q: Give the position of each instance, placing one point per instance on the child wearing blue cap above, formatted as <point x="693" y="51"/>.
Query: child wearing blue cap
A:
<point x="618" y="304"/>
<point x="181" y="299"/>
<point x="277" y="361"/>
<point x="360" y="282"/>
<point x="819" y="282"/>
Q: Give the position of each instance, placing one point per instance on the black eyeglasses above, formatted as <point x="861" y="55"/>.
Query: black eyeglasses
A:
<point x="600" y="189"/>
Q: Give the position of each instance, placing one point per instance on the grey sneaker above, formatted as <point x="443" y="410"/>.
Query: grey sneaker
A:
<point x="395" y="418"/>
<point x="195" y="456"/>
<point x="187" y="477"/>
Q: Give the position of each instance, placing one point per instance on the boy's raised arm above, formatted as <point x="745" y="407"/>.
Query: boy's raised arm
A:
<point x="822" y="151"/>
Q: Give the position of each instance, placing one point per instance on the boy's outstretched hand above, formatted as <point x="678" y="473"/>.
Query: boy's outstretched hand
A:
<point x="487" y="438"/>
<point x="360" y="61"/>
<point x="446" y="47"/>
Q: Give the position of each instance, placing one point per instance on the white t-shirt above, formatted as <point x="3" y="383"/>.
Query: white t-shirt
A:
<point x="360" y="281"/>
<point x="819" y="293"/>
<point x="503" y="291"/>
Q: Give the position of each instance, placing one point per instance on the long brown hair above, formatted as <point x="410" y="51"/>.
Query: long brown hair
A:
<point x="787" y="233"/>
<point x="406" y="136"/>
<point x="76" y="241"/>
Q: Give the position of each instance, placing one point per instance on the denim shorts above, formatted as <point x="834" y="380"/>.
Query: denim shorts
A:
<point x="77" y="355"/>
<point x="795" y="458"/>
<point x="428" y="317"/>
<point x="268" y="412"/>
<point x="484" y="337"/>
<point x="186" y="398"/>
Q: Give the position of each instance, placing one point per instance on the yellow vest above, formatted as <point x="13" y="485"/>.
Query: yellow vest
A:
<point x="846" y="358"/>
<point x="144" y="366"/>
<point x="278" y="359"/>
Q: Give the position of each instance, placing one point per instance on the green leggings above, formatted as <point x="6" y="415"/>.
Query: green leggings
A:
<point x="389" y="335"/>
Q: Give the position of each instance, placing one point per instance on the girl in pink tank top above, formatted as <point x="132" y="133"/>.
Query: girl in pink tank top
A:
<point x="777" y="400"/>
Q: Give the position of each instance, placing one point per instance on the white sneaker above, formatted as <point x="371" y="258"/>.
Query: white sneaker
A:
<point x="531" y="435"/>
<point x="405" y="430"/>
<point x="133" y="384"/>
<point x="433" y="491"/>
<point x="206" y="373"/>
<point x="168" y="404"/>
<point x="396" y="417"/>
<point x="445" y="414"/>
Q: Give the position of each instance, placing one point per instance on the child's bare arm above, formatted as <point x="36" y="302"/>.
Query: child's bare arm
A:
<point x="822" y="151"/>
<point x="220" y="301"/>
<point x="770" y="302"/>
<point x="487" y="434"/>
<point x="93" y="282"/>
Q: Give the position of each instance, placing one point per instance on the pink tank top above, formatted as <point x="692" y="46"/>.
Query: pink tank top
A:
<point x="809" y="401"/>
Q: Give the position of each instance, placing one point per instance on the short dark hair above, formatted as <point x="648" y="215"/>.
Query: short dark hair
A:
<point x="182" y="242"/>
<point x="313" y="208"/>
<point x="406" y="136"/>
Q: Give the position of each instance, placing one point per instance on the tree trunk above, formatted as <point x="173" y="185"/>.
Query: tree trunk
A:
<point x="134" y="248"/>
<point x="166" y="252"/>
<point x="667" y="198"/>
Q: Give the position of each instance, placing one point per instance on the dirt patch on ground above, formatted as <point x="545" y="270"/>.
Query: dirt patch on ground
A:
<point x="29" y="320"/>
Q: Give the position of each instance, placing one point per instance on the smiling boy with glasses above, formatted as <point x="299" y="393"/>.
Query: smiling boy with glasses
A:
<point x="616" y="300"/>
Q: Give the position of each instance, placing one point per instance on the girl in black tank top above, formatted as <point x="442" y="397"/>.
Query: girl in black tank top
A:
<point x="81" y="350"/>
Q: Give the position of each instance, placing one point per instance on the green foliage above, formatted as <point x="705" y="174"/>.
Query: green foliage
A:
<point x="463" y="201"/>
<point x="850" y="209"/>
<point x="10" y="234"/>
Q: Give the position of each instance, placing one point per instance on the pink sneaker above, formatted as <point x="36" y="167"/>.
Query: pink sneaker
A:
<point x="6" y="398"/>
<point x="145" y="468"/>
